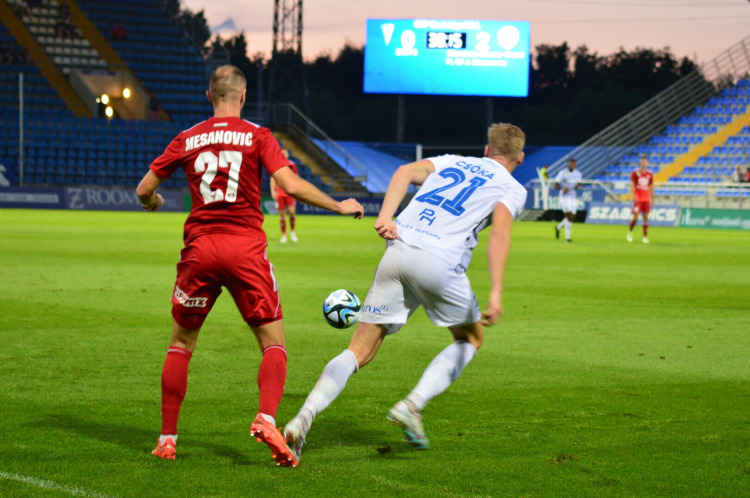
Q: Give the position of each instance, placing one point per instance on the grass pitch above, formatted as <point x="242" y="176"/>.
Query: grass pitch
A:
<point x="618" y="369"/>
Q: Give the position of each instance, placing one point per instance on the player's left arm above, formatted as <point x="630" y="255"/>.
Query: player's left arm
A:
<point x="306" y="192"/>
<point x="497" y="257"/>
<point x="272" y="186"/>
<point x="146" y="191"/>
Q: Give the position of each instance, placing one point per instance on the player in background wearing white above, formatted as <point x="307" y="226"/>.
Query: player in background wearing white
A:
<point x="567" y="182"/>
<point x="428" y="251"/>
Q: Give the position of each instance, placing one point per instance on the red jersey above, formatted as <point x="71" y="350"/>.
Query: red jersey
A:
<point x="642" y="182"/>
<point x="222" y="158"/>
<point x="279" y="191"/>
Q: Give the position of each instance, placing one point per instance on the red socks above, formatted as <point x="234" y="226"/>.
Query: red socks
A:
<point x="174" y="377"/>
<point x="282" y="222"/>
<point x="291" y="221"/>
<point x="645" y="229"/>
<point x="632" y="224"/>
<point x="271" y="379"/>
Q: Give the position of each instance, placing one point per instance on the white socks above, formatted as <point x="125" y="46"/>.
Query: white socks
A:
<point x="163" y="438"/>
<point x="330" y="384"/>
<point x="568" y="226"/>
<point x="444" y="369"/>
<point x="269" y="419"/>
<point x="441" y="372"/>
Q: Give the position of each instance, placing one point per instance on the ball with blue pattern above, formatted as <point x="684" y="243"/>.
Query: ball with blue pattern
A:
<point x="341" y="308"/>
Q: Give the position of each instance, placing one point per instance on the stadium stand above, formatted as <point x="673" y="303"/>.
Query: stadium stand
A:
<point x="693" y="155"/>
<point x="61" y="149"/>
<point x="158" y="54"/>
<point x="380" y="165"/>
<point x="714" y="155"/>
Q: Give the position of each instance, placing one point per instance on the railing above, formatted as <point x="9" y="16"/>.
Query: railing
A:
<point x="349" y="176"/>
<point x="540" y="189"/>
<point x="652" y="117"/>
<point x="714" y="195"/>
<point x="685" y="194"/>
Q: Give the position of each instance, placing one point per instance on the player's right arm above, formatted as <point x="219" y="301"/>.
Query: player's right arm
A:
<point x="409" y="174"/>
<point x="146" y="192"/>
<point x="161" y="168"/>
<point x="651" y="188"/>
<point x="306" y="192"/>
<point x="497" y="256"/>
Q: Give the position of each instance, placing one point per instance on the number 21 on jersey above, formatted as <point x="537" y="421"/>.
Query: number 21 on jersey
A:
<point x="454" y="205"/>
<point x="208" y="165"/>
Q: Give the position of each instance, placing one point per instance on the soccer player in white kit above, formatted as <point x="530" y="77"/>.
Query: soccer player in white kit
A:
<point x="567" y="182"/>
<point x="429" y="248"/>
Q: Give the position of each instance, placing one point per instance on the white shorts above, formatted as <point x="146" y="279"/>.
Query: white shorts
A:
<point x="569" y="204"/>
<point x="408" y="277"/>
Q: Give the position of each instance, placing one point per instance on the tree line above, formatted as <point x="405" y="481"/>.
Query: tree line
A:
<point x="573" y="93"/>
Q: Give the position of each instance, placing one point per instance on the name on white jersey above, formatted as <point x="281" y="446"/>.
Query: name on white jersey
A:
<point x="476" y="169"/>
<point x="219" y="137"/>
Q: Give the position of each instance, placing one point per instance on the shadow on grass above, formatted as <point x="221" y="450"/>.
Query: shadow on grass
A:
<point x="138" y="439"/>
<point x="376" y="440"/>
<point x="381" y="442"/>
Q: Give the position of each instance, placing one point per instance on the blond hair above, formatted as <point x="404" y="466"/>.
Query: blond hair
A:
<point x="506" y="140"/>
<point x="226" y="83"/>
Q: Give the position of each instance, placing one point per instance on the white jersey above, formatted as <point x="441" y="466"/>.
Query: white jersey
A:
<point x="570" y="180"/>
<point x="455" y="203"/>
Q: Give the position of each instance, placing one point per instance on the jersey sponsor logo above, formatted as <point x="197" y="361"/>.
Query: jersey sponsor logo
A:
<point x="225" y="137"/>
<point x="411" y="227"/>
<point x="427" y="215"/>
<point x="187" y="301"/>
<point x="376" y="310"/>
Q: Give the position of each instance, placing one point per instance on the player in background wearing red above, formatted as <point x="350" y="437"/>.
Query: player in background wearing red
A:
<point x="225" y="246"/>
<point x="285" y="202"/>
<point x="642" y="190"/>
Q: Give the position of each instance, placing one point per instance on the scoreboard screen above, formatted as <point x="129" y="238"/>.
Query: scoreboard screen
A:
<point x="443" y="57"/>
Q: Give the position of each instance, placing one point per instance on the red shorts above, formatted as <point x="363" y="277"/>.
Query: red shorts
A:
<point x="641" y="207"/>
<point x="237" y="262"/>
<point x="283" y="201"/>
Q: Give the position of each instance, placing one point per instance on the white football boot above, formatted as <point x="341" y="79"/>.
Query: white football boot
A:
<point x="404" y="415"/>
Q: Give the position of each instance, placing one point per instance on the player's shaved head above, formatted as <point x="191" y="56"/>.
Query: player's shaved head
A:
<point x="506" y="140"/>
<point x="227" y="83"/>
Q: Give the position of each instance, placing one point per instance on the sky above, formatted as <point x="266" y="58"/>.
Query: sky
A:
<point x="698" y="29"/>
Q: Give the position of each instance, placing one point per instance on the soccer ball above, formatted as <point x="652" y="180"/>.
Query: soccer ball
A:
<point x="341" y="309"/>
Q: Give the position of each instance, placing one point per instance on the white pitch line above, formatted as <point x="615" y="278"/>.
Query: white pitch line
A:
<point x="45" y="484"/>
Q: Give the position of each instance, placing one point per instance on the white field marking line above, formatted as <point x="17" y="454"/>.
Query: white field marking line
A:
<point x="44" y="484"/>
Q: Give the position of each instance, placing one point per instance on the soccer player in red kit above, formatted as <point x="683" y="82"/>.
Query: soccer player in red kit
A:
<point x="225" y="246"/>
<point x="285" y="202"/>
<point x="642" y="190"/>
